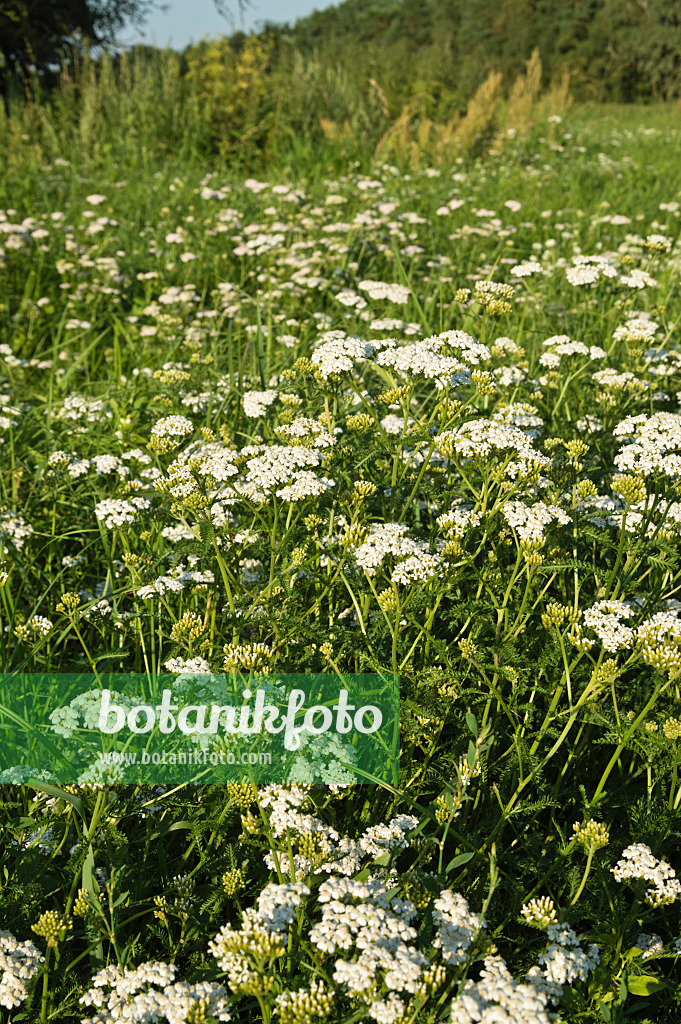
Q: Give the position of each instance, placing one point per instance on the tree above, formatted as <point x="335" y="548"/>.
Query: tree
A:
<point x="35" y="33"/>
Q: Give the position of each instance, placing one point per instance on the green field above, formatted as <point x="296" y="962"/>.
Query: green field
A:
<point x="309" y="409"/>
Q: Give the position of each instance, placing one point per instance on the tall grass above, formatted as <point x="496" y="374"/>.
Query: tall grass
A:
<point x="133" y="108"/>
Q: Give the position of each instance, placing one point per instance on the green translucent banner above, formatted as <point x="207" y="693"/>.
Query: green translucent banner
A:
<point x="170" y="729"/>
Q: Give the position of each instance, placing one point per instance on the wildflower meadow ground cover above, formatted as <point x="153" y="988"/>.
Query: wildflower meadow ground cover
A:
<point x="366" y="419"/>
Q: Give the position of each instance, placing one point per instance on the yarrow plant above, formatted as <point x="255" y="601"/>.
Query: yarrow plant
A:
<point x="416" y="421"/>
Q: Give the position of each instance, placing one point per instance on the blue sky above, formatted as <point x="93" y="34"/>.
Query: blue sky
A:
<point x="187" y="20"/>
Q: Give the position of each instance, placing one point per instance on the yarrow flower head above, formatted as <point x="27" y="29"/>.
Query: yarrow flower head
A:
<point x="638" y="863"/>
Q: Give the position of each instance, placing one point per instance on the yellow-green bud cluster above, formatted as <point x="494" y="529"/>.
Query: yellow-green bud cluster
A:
<point x="554" y="615"/>
<point x="631" y="488"/>
<point x="487" y="292"/>
<point x="663" y="657"/>
<point x="306" y="1006"/>
<point x="247" y="657"/>
<point x="539" y="913"/>
<point x="233" y="881"/>
<point x="468" y="648"/>
<point x="69" y="602"/>
<point x="593" y="835"/>
<point x="585" y="489"/>
<point x="606" y="673"/>
<point x="484" y="382"/>
<point x="52" y="927"/>
<point x="326" y="650"/>
<point x="452" y="549"/>
<point x="250" y="824"/>
<point x="388" y="600"/>
<point x="445" y="813"/>
<point x="531" y="553"/>
<point x="241" y="793"/>
<point x="364" y="489"/>
<point x="171" y="376"/>
<point x="187" y="629"/>
<point x="395" y="395"/>
<point x="311" y="845"/>
<point x="354" y="535"/>
<point x="198" y="1012"/>
<point x="498" y="307"/>
<point x="81" y="905"/>
<point x="672" y="729"/>
<point x="162" y="445"/>
<point x="361" y="422"/>
<point x="431" y="980"/>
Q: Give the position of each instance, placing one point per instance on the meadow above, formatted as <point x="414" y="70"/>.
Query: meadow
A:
<point x="355" y="414"/>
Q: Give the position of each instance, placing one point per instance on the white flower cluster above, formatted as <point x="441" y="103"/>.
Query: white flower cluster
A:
<point x="497" y="999"/>
<point x="386" y="539"/>
<point x="181" y="577"/>
<point x="650" y="945"/>
<point x="522" y="415"/>
<point x="304" y="427"/>
<point x="425" y="358"/>
<point x="14" y="528"/>
<point x="589" y="270"/>
<point x="147" y="993"/>
<point x="613" y="381"/>
<point x="322" y="758"/>
<point x="457" y="927"/>
<point x="362" y="915"/>
<point x="458" y="520"/>
<point x="276" y="465"/>
<point x="277" y="904"/>
<point x="562" y="345"/>
<point x="530" y="521"/>
<point x="638" y="862"/>
<point x="636" y="329"/>
<point x="528" y="268"/>
<point x="564" y="962"/>
<point x="18" y="775"/>
<point x="339" y="355"/>
<point x="117" y="511"/>
<point x="393" y="424"/>
<point x="178" y="665"/>
<point x="391" y="324"/>
<point x="90" y="410"/>
<point x="416" y="568"/>
<point x="392" y="292"/>
<point x="305" y="484"/>
<point x="605" y="618"/>
<point x="83" y="712"/>
<point x="19" y="964"/>
<point x="344" y="856"/>
<point x="256" y="403"/>
<point x="654" y="447"/>
<point x="352" y="299"/>
<point x="172" y="426"/>
<point x="476" y="439"/>
<point x="662" y="631"/>
<point x="379" y="838"/>
<point x="471" y="351"/>
<point x="638" y="279"/>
